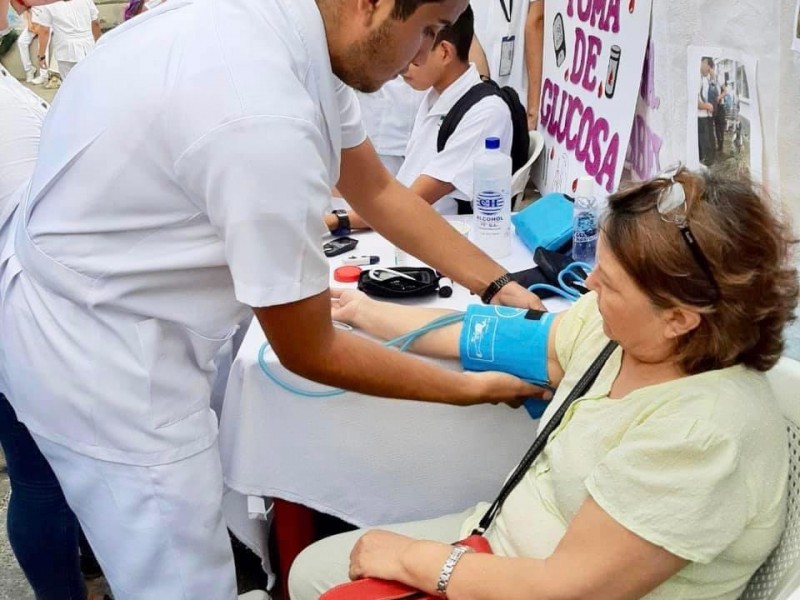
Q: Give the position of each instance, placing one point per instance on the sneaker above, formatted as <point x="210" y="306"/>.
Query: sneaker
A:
<point x="42" y="78"/>
<point x="255" y="595"/>
<point x="30" y="75"/>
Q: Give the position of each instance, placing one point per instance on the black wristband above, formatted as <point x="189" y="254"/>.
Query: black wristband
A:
<point x="494" y="287"/>
<point x="343" y="227"/>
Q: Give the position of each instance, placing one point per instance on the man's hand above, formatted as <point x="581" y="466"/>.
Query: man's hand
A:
<point x="513" y="294"/>
<point x="494" y="387"/>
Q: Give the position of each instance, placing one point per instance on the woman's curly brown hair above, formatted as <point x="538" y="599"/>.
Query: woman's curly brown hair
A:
<point x="747" y="248"/>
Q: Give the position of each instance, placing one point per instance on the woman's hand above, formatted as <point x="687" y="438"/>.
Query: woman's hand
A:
<point x="378" y="554"/>
<point x="346" y="303"/>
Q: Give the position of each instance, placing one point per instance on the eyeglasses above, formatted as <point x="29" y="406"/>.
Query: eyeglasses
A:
<point x="671" y="205"/>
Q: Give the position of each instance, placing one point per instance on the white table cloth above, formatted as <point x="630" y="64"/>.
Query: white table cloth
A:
<point x="364" y="459"/>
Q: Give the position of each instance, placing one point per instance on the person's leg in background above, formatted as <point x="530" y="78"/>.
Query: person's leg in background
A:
<point x="157" y="531"/>
<point x="42" y="529"/>
<point x="325" y="563"/>
<point x="24" y="46"/>
<point x="64" y="67"/>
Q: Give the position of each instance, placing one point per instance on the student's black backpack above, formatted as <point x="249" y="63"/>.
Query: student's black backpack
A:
<point x="520" y="143"/>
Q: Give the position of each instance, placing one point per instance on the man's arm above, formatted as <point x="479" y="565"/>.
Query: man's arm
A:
<point x="44" y="39"/>
<point x="534" y="48"/>
<point x="303" y="337"/>
<point x="478" y="57"/>
<point x="410" y="223"/>
<point x="96" y="31"/>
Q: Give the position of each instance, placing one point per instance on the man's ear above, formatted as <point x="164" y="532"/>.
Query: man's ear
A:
<point x="680" y="321"/>
<point x="371" y="11"/>
<point x="448" y="52"/>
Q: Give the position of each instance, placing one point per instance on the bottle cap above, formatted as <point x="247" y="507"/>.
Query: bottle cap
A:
<point x="585" y="188"/>
<point x="347" y="274"/>
<point x="492" y="143"/>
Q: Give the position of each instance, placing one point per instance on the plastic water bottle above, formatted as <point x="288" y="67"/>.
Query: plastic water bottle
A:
<point x="585" y="222"/>
<point x="491" y="221"/>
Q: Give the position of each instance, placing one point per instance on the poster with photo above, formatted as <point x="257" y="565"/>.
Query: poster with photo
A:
<point x="796" y="29"/>
<point x="592" y="70"/>
<point x="724" y="118"/>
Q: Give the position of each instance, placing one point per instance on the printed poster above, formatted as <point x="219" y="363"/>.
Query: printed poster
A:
<point x="592" y="69"/>
<point x="724" y="123"/>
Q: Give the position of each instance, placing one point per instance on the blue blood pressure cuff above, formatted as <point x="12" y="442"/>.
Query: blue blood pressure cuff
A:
<point x="510" y="340"/>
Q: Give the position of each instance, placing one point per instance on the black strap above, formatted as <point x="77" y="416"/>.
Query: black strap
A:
<point x="539" y="443"/>
<point x="507" y="11"/>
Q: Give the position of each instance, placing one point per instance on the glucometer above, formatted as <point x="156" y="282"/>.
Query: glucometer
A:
<point x="339" y="246"/>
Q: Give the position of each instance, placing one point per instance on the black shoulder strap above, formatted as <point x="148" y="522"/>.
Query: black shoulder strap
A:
<point x="475" y="94"/>
<point x="539" y="443"/>
<point x="520" y="141"/>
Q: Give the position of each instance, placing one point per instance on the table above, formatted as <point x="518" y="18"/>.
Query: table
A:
<point x="367" y="460"/>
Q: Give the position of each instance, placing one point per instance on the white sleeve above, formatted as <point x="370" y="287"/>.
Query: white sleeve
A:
<point x="262" y="182"/>
<point x="488" y="118"/>
<point x="95" y="14"/>
<point x="353" y="132"/>
<point x="42" y="16"/>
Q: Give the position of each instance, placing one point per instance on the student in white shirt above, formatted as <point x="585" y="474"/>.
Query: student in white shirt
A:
<point x="161" y="213"/>
<point x="388" y="116"/>
<point x="75" y="28"/>
<point x="508" y="46"/>
<point x="442" y="178"/>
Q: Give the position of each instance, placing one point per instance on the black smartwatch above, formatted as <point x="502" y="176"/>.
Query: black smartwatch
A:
<point x="343" y="228"/>
<point x="494" y="287"/>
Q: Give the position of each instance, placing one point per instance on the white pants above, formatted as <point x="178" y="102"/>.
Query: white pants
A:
<point x="64" y="67"/>
<point x="158" y="532"/>
<point x="24" y="45"/>
<point x="325" y="564"/>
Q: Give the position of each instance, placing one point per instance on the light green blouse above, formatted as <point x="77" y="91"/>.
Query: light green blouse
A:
<point x="697" y="466"/>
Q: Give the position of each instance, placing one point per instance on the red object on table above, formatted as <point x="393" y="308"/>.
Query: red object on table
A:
<point x="294" y="530"/>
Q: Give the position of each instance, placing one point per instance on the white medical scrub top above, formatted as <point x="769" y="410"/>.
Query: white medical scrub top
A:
<point x="71" y="27"/>
<point x="160" y="210"/>
<point x="491" y="26"/>
<point x="490" y="117"/>
<point x="389" y="115"/>
<point x="21" y="115"/>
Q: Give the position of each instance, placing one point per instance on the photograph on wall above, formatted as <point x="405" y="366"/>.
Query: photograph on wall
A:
<point x="592" y="70"/>
<point x="724" y="123"/>
<point x="796" y="29"/>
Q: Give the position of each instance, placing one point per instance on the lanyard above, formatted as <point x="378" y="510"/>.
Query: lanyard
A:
<point x="507" y="11"/>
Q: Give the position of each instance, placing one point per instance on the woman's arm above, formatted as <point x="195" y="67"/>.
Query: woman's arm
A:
<point x="597" y="558"/>
<point x="534" y="47"/>
<point x="386" y="320"/>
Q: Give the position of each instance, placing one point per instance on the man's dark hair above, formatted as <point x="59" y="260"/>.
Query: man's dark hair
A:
<point x="459" y="34"/>
<point x="405" y="8"/>
<point x="709" y="61"/>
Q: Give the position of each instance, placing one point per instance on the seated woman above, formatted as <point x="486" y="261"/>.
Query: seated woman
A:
<point x="668" y="478"/>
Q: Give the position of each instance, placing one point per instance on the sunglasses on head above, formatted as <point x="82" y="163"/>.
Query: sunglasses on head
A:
<point x="671" y="206"/>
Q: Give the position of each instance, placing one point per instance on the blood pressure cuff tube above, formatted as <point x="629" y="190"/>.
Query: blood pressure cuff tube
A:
<point x="510" y="340"/>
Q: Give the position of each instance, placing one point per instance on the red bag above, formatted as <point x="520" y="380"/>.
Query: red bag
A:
<point x="380" y="589"/>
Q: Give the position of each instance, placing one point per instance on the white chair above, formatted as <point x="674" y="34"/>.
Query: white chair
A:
<point x="520" y="178"/>
<point x="779" y="577"/>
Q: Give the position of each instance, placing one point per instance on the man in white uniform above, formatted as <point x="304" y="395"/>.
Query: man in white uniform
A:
<point x="74" y="26"/>
<point x="509" y="44"/>
<point x="160" y="212"/>
<point x="388" y="116"/>
<point x="443" y="178"/>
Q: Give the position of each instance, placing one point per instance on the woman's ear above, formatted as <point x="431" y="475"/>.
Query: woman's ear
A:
<point x="680" y="321"/>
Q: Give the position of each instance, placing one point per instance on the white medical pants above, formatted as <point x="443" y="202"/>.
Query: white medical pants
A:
<point x="24" y="45"/>
<point x="64" y="67"/>
<point x="325" y="563"/>
<point x="158" y="532"/>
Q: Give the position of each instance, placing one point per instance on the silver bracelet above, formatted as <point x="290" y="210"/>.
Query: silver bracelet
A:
<point x="447" y="569"/>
